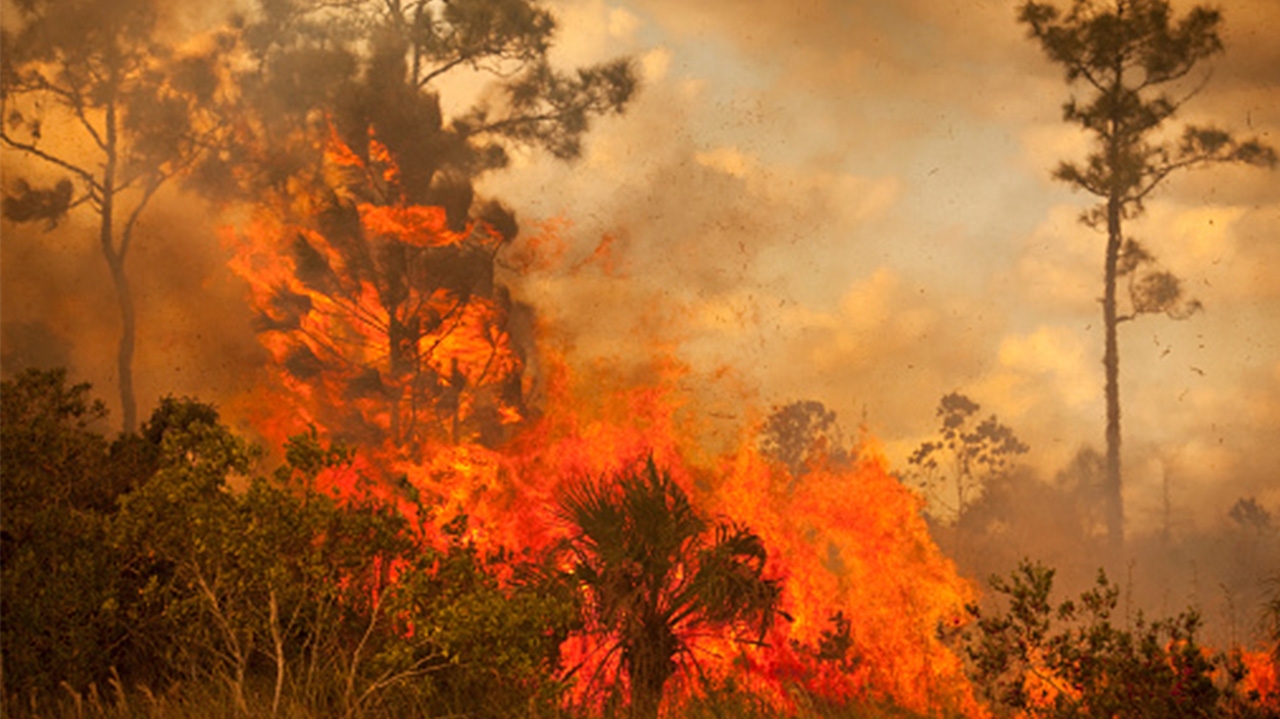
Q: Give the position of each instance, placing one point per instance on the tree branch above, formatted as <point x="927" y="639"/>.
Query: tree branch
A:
<point x="460" y="59"/>
<point x="77" y="104"/>
<point x="1159" y="174"/>
<point x="31" y="149"/>
<point x="126" y="234"/>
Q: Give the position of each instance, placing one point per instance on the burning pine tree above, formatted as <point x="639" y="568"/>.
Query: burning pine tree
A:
<point x="383" y="316"/>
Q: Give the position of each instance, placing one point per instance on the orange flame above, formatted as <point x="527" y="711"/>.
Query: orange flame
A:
<point x="382" y="322"/>
<point x="1261" y="685"/>
<point x="429" y="381"/>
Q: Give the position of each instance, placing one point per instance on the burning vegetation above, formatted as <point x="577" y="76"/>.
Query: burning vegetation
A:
<point x="447" y="515"/>
<point x="384" y="318"/>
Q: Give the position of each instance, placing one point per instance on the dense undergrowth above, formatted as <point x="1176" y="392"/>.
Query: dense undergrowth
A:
<point x="165" y="574"/>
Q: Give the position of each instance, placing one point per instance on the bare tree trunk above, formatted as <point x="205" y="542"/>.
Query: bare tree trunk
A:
<point x="115" y="256"/>
<point x="277" y="641"/>
<point x="649" y="666"/>
<point x="402" y="339"/>
<point x="646" y="691"/>
<point x="1114" y="506"/>
<point x="124" y="355"/>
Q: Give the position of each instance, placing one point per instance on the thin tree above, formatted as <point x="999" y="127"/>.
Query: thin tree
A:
<point x="656" y="574"/>
<point x="970" y="452"/>
<point x="1134" y="67"/>
<point x="89" y="89"/>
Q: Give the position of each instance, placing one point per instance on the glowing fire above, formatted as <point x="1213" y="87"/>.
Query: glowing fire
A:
<point x="386" y="327"/>
<point x="383" y="321"/>
<point x="1262" y="682"/>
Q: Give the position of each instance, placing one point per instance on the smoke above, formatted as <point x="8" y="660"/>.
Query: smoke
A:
<point x="848" y="201"/>
<point x="852" y="202"/>
<point x="59" y="308"/>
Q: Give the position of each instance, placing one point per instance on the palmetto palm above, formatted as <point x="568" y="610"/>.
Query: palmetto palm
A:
<point x="655" y="574"/>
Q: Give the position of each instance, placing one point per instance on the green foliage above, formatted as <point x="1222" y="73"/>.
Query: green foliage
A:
<point x="51" y="451"/>
<point x="56" y="584"/>
<point x="179" y="534"/>
<point x="269" y="592"/>
<point x="1077" y="659"/>
<point x="656" y="574"/>
<point x="489" y="644"/>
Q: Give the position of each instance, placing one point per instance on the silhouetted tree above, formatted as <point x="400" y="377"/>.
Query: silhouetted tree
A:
<point x="656" y="573"/>
<point x="380" y="63"/>
<point x="1081" y="483"/>
<point x="1247" y="513"/>
<point x="801" y="432"/>
<point x="89" y="88"/>
<point x="1130" y="59"/>
<point x="394" y="323"/>
<point x="967" y="452"/>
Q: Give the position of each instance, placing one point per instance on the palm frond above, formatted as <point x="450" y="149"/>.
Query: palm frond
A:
<point x="654" y="575"/>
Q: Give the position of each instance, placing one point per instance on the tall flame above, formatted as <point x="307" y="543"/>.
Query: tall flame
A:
<point x="382" y="318"/>
<point x="385" y="326"/>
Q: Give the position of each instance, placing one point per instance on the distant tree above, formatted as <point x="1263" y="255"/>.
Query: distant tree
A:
<point x="91" y="89"/>
<point x="1081" y="481"/>
<point x="656" y="574"/>
<point x="1131" y="59"/>
<point x="1247" y="513"/>
<point x="967" y="452"/>
<point x="802" y="432"/>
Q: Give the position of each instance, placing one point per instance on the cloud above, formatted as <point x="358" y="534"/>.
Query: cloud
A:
<point x="592" y="31"/>
<point x="1050" y="357"/>
<point x="1060" y="264"/>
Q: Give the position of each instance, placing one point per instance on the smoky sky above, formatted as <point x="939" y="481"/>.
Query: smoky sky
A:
<point x="852" y="201"/>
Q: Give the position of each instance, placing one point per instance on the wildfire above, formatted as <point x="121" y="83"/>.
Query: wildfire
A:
<point x="867" y="588"/>
<point x="386" y="327"/>
<point x="1262" y="680"/>
<point x="384" y="322"/>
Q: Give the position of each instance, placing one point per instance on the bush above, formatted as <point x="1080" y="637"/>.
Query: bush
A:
<point x="1073" y="660"/>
